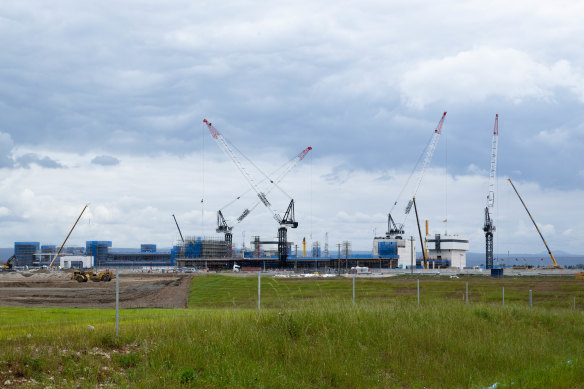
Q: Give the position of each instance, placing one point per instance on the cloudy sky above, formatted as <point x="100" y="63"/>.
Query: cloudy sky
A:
<point x="103" y="103"/>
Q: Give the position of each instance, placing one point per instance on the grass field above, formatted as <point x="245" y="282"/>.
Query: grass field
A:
<point x="309" y="334"/>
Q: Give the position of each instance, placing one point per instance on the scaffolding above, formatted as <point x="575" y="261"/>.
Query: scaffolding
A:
<point x="315" y="250"/>
<point x="25" y="251"/>
<point x="99" y="250"/>
<point x="200" y="247"/>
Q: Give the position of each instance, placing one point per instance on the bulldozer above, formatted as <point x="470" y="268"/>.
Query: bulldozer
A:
<point x="85" y="275"/>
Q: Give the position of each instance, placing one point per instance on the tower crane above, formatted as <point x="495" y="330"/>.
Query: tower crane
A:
<point x="398" y="229"/>
<point x="489" y="225"/>
<point x="287" y="220"/>
<point x="222" y="225"/>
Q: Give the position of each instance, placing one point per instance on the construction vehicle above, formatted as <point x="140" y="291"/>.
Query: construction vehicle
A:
<point x="489" y="225"/>
<point x="84" y="276"/>
<point x="555" y="265"/>
<point x="9" y="264"/>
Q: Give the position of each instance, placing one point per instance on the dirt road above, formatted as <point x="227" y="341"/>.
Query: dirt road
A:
<point x="55" y="289"/>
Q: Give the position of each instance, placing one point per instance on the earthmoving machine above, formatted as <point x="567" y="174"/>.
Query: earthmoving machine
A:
<point x="9" y="264"/>
<point x="397" y="230"/>
<point x="287" y="220"/>
<point x="555" y="265"/>
<point x="84" y="276"/>
<point x="489" y="226"/>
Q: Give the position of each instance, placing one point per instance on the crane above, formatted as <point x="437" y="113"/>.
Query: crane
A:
<point x="229" y="152"/>
<point x="489" y="225"/>
<point x="179" y="231"/>
<point x="288" y="219"/>
<point x="226" y="229"/>
<point x="398" y="229"/>
<point x="420" y="232"/>
<point x="536" y="227"/>
<point x="69" y="234"/>
<point x="286" y="169"/>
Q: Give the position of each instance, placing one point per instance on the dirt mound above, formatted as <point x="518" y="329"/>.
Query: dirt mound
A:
<point x="56" y="289"/>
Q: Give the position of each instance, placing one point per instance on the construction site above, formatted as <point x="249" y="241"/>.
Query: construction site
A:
<point x="393" y="250"/>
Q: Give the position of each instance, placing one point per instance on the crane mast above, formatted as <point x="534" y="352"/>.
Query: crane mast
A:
<point x="489" y="226"/>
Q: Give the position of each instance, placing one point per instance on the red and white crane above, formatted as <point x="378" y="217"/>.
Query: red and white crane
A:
<point x="229" y="152"/>
<point x="287" y="220"/>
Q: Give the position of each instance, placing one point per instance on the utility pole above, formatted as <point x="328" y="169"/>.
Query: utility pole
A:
<point x="339" y="259"/>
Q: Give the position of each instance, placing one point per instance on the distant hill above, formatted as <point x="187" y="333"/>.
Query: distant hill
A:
<point x="5" y="254"/>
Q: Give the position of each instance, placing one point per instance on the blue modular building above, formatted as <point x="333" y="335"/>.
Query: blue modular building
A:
<point x="25" y="251"/>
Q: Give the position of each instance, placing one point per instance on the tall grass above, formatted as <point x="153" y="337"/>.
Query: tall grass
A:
<point x="308" y="335"/>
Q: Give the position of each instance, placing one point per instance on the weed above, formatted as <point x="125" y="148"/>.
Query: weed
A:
<point x="127" y="360"/>
<point x="187" y="375"/>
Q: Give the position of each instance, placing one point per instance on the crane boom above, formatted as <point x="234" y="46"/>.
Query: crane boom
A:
<point x="420" y="232"/>
<point x="535" y="224"/>
<point x="179" y="231"/>
<point x="227" y="150"/>
<point x="276" y="181"/>
<point x="69" y="234"/>
<point x="428" y="153"/>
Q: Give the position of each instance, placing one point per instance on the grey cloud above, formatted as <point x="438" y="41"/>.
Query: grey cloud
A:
<point x="77" y="79"/>
<point x="6" y="146"/>
<point x="105" y="160"/>
<point x="28" y="159"/>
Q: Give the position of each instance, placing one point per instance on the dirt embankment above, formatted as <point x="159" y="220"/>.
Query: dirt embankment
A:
<point x="56" y="289"/>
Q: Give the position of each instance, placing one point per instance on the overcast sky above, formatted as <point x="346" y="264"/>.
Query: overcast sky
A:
<point x="103" y="102"/>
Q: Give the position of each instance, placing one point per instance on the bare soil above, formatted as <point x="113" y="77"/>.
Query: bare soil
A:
<point x="56" y="289"/>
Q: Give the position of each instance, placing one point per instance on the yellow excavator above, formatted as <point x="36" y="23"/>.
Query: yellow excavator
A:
<point x="9" y="264"/>
<point x="85" y="275"/>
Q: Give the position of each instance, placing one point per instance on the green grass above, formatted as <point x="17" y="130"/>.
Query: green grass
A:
<point x="309" y="334"/>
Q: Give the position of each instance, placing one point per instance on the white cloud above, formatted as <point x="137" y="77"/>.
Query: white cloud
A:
<point x="475" y="75"/>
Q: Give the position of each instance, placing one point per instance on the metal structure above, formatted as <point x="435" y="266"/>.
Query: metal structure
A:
<point x="287" y="220"/>
<point x="69" y="234"/>
<point x="420" y="232"/>
<point x="398" y="229"/>
<point x="179" y="231"/>
<point x="489" y="225"/>
<point x="535" y="224"/>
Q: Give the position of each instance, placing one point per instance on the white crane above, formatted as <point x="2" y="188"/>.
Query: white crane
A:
<point x="489" y="226"/>
<point x="394" y="229"/>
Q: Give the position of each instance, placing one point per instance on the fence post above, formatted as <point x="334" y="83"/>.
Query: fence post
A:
<point x="467" y="292"/>
<point x="353" y="289"/>
<point x="259" y="289"/>
<point x="418" y="292"/>
<point x="117" y="302"/>
<point x="530" y="300"/>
